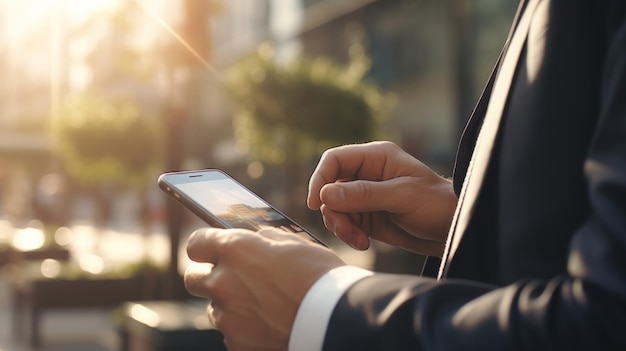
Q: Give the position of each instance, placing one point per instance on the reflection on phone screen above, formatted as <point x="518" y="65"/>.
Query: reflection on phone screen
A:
<point x="236" y="206"/>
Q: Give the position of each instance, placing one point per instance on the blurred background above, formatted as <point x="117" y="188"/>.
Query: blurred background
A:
<point x="99" y="97"/>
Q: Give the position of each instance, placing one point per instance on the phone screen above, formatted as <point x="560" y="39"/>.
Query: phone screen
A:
<point x="226" y="201"/>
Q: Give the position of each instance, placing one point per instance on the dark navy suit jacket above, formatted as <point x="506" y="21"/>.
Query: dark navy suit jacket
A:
<point x="536" y="257"/>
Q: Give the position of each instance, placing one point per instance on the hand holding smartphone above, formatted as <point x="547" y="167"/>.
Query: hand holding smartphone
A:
<point x="222" y="202"/>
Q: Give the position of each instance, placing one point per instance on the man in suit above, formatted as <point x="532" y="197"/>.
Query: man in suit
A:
<point x="531" y="232"/>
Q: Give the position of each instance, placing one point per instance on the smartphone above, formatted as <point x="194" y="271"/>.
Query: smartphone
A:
<point x="223" y="202"/>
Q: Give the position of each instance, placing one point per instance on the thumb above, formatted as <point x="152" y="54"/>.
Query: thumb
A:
<point x="363" y="195"/>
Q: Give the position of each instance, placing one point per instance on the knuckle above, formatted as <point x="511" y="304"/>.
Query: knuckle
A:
<point x="365" y="190"/>
<point x="237" y="246"/>
<point x="197" y="239"/>
<point x="193" y="240"/>
<point x="196" y="243"/>
<point x="216" y="288"/>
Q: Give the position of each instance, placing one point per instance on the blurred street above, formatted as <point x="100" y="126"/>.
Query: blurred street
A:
<point x="119" y="244"/>
<point x="67" y="330"/>
<point x="94" y="329"/>
<point x="88" y="329"/>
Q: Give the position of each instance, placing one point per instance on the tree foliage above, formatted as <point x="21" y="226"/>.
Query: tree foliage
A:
<point x="302" y="108"/>
<point x="107" y="141"/>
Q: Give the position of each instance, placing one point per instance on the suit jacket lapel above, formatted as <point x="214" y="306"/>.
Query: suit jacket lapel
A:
<point x="472" y="128"/>
<point x="481" y="155"/>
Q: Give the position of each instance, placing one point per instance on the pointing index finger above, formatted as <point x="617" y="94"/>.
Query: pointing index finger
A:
<point x="335" y="164"/>
<point x="317" y="181"/>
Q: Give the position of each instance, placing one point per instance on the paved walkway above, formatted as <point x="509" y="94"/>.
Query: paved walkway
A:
<point x="62" y="330"/>
<point x="85" y="329"/>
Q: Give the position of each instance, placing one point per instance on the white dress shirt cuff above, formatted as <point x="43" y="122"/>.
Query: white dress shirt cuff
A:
<point x="312" y="319"/>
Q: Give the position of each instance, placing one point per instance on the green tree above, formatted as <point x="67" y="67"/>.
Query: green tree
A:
<point x="107" y="141"/>
<point x="285" y="115"/>
<point x="289" y="113"/>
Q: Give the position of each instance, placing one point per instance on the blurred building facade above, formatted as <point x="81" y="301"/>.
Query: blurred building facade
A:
<point x="434" y="55"/>
<point x="416" y="47"/>
<point x="170" y="57"/>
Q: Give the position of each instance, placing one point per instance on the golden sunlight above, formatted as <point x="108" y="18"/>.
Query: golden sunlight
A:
<point x="30" y="238"/>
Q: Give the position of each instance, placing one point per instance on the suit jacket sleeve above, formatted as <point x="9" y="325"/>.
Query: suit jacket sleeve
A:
<point x="584" y="308"/>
